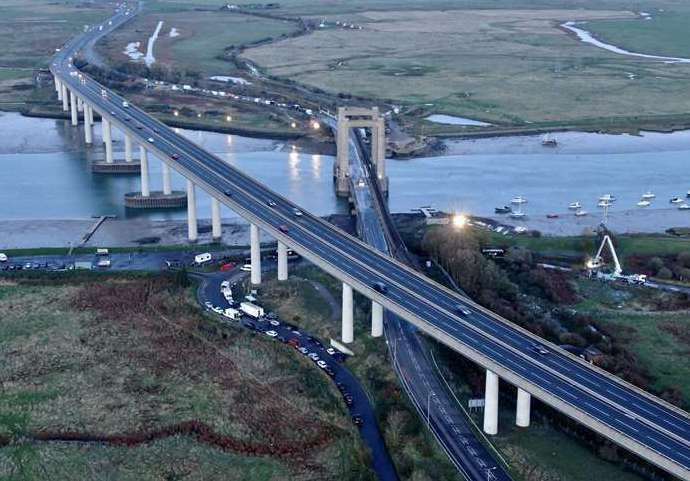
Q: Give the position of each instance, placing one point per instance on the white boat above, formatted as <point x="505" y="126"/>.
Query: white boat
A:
<point x="574" y="206"/>
<point x="688" y="194"/>
<point x="644" y="203"/>
<point x="684" y="207"/>
<point x="676" y="200"/>
<point x="518" y="200"/>
<point x="604" y="203"/>
<point x="548" y="141"/>
<point x="580" y="213"/>
<point x="607" y="198"/>
<point x="518" y="215"/>
<point x="648" y="195"/>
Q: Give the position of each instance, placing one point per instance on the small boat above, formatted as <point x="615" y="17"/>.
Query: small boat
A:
<point x="518" y="200"/>
<point x="648" y="196"/>
<point x="548" y="141"/>
<point x="684" y="207"/>
<point x="607" y="198"/>
<point x="503" y="210"/>
<point x="644" y="203"/>
<point x="688" y="194"/>
<point x="581" y="213"/>
<point x="552" y="216"/>
<point x="676" y="200"/>
<point x="518" y="215"/>
<point x="574" y="206"/>
<point x="604" y="203"/>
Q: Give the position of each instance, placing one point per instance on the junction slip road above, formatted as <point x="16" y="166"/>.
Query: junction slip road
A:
<point x="630" y="417"/>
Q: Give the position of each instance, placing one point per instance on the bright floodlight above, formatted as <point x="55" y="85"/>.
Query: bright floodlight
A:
<point x="176" y="113"/>
<point x="315" y="125"/>
<point x="459" y="220"/>
<point x="228" y="118"/>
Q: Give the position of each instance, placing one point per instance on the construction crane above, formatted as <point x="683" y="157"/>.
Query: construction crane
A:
<point x="595" y="264"/>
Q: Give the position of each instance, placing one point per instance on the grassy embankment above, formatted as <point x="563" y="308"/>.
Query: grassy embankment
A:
<point x="130" y="366"/>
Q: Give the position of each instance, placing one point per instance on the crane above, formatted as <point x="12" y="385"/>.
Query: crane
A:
<point x="595" y="264"/>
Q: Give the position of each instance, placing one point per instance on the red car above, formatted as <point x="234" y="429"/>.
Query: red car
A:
<point x="227" y="267"/>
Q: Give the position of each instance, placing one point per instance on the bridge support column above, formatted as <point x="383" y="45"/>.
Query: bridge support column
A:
<point x="90" y="112"/>
<point x="522" y="416"/>
<point x="192" y="231"/>
<point x="80" y="104"/>
<point x="491" y="403"/>
<point x="107" y="140"/>
<point x="128" y="148"/>
<point x="282" y="262"/>
<point x="376" y="319"/>
<point x="144" y="169"/>
<point x="216" y="227"/>
<point x="65" y="98"/>
<point x="73" y="108"/>
<point x="348" y="328"/>
<point x="342" y="165"/>
<point x="58" y="88"/>
<point x="167" y="184"/>
<point x="378" y="150"/>
<point x="255" y="254"/>
<point x="88" y="130"/>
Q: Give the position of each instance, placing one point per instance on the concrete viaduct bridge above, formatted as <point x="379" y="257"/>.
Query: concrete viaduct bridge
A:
<point x="630" y="417"/>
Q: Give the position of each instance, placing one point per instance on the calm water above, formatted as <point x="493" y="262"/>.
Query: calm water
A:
<point x="45" y="173"/>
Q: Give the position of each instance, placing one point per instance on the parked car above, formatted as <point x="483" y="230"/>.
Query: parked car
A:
<point x="271" y="333"/>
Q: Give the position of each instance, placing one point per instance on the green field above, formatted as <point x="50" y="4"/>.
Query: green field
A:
<point x="129" y="356"/>
<point x="471" y="61"/>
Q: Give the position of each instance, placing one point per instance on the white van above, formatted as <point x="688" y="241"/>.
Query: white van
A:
<point x="246" y="268"/>
<point x="202" y="258"/>
<point x="102" y="252"/>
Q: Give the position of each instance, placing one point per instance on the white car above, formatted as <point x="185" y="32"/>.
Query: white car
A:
<point x="273" y="322"/>
<point x="125" y="104"/>
<point x="217" y="309"/>
<point x="246" y="268"/>
<point x="150" y="139"/>
<point x="3" y="257"/>
<point x="271" y="333"/>
<point x="322" y="364"/>
<point x="208" y="304"/>
<point x="314" y="357"/>
<point x="331" y="351"/>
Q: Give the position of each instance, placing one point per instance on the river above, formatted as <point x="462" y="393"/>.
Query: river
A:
<point x="46" y="175"/>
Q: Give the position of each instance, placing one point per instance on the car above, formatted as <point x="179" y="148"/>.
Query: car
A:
<point x="273" y="322"/>
<point x="539" y="349"/>
<point x="462" y="310"/>
<point x="127" y="119"/>
<point x="125" y="104"/>
<point x="208" y="304"/>
<point x="3" y="257"/>
<point x="284" y="229"/>
<point x="271" y="203"/>
<point x="271" y="333"/>
<point x="104" y="93"/>
<point x="314" y="357"/>
<point x="357" y="420"/>
<point x="246" y="268"/>
<point x="294" y="343"/>
<point x="303" y="350"/>
<point x="348" y="399"/>
<point x="113" y="114"/>
<point x="331" y="351"/>
<point x="297" y="212"/>
<point x="139" y="126"/>
<point x="380" y="287"/>
<point x="150" y="139"/>
<point x="175" y="156"/>
<point x="322" y="364"/>
<point x="228" y="192"/>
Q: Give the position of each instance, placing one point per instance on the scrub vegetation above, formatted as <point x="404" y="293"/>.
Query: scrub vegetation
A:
<point x="125" y="378"/>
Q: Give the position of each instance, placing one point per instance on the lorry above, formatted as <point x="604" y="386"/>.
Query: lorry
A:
<point x="102" y="252"/>
<point x="233" y="314"/>
<point x="252" y="309"/>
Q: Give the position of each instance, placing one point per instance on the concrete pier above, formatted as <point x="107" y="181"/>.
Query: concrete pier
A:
<point x="107" y="140"/>
<point x="88" y="128"/>
<point x="348" y="327"/>
<point x="80" y="104"/>
<point x="73" y="108"/>
<point x="144" y="165"/>
<point x="522" y="415"/>
<point x="376" y="319"/>
<point x="282" y="262"/>
<point x="58" y="89"/>
<point x="216" y="226"/>
<point x="255" y="254"/>
<point x="128" y="148"/>
<point x="65" y="98"/>
<point x="89" y="110"/>
<point x="167" y="184"/>
<point x="491" y="403"/>
<point x="192" y="230"/>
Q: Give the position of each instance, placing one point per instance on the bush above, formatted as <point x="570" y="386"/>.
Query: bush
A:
<point x="664" y="273"/>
